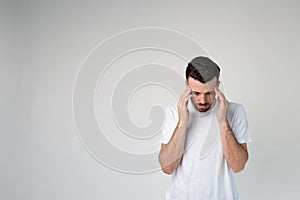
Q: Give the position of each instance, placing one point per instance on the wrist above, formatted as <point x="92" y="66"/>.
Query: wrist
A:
<point x="224" y="126"/>
<point x="182" y="123"/>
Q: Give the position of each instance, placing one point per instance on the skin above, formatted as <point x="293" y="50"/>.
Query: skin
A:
<point x="202" y="96"/>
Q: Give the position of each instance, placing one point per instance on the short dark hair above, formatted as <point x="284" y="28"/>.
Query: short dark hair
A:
<point x="202" y="69"/>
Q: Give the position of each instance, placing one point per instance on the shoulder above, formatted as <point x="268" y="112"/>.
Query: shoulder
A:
<point x="171" y="110"/>
<point x="171" y="107"/>
<point x="238" y="121"/>
<point x="236" y="110"/>
<point x="234" y="106"/>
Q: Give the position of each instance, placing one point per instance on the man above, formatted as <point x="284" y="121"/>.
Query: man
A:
<point x="204" y="138"/>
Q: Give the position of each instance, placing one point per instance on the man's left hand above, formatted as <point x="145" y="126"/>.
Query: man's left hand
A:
<point x="223" y="105"/>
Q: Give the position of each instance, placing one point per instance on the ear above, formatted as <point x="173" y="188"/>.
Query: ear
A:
<point x="186" y="83"/>
<point x="218" y="84"/>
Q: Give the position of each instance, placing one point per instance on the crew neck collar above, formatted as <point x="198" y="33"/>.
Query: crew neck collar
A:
<point x="192" y="108"/>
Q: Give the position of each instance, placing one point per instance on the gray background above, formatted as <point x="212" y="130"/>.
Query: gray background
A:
<point x="42" y="44"/>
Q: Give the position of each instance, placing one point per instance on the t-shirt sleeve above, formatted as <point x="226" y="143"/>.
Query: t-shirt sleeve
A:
<point x="170" y="122"/>
<point x="240" y="125"/>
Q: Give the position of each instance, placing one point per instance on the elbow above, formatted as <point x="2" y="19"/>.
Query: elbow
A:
<point x="167" y="170"/>
<point x="168" y="166"/>
<point x="239" y="165"/>
<point x="238" y="169"/>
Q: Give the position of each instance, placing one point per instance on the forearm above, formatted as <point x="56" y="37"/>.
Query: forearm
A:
<point x="171" y="154"/>
<point x="235" y="153"/>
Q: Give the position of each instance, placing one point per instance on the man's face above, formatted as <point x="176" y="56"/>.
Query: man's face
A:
<point x="203" y="94"/>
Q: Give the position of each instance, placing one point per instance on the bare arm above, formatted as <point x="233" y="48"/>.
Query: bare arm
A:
<point x="236" y="154"/>
<point x="171" y="154"/>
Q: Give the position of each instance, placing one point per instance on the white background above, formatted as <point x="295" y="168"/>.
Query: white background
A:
<point x="42" y="44"/>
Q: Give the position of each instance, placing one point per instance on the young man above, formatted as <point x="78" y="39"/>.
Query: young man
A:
<point x="204" y="138"/>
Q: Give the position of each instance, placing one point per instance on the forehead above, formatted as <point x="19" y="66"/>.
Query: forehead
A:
<point x="197" y="86"/>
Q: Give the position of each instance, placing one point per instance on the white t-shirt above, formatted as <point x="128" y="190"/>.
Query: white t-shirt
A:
<point x="203" y="173"/>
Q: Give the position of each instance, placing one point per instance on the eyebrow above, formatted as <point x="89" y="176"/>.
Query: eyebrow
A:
<point x="195" y="92"/>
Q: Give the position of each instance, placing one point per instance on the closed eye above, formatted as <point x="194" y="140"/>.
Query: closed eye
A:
<point x="195" y="93"/>
<point x="211" y="93"/>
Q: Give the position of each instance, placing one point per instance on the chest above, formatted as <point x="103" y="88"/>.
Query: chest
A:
<point x="203" y="138"/>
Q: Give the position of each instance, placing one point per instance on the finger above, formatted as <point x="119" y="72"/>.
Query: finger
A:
<point x="187" y="97"/>
<point x="187" y="90"/>
<point x="187" y="93"/>
<point x="219" y="94"/>
<point x="186" y="100"/>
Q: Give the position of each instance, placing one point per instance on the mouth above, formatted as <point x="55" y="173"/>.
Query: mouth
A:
<point x="203" y="106"/>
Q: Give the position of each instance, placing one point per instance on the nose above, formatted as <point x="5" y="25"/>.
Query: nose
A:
<point x="202" y="98"/>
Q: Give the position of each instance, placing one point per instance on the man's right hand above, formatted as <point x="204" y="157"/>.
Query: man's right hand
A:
<point x="182" y="106"/>
<point x="171" y="153"/>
